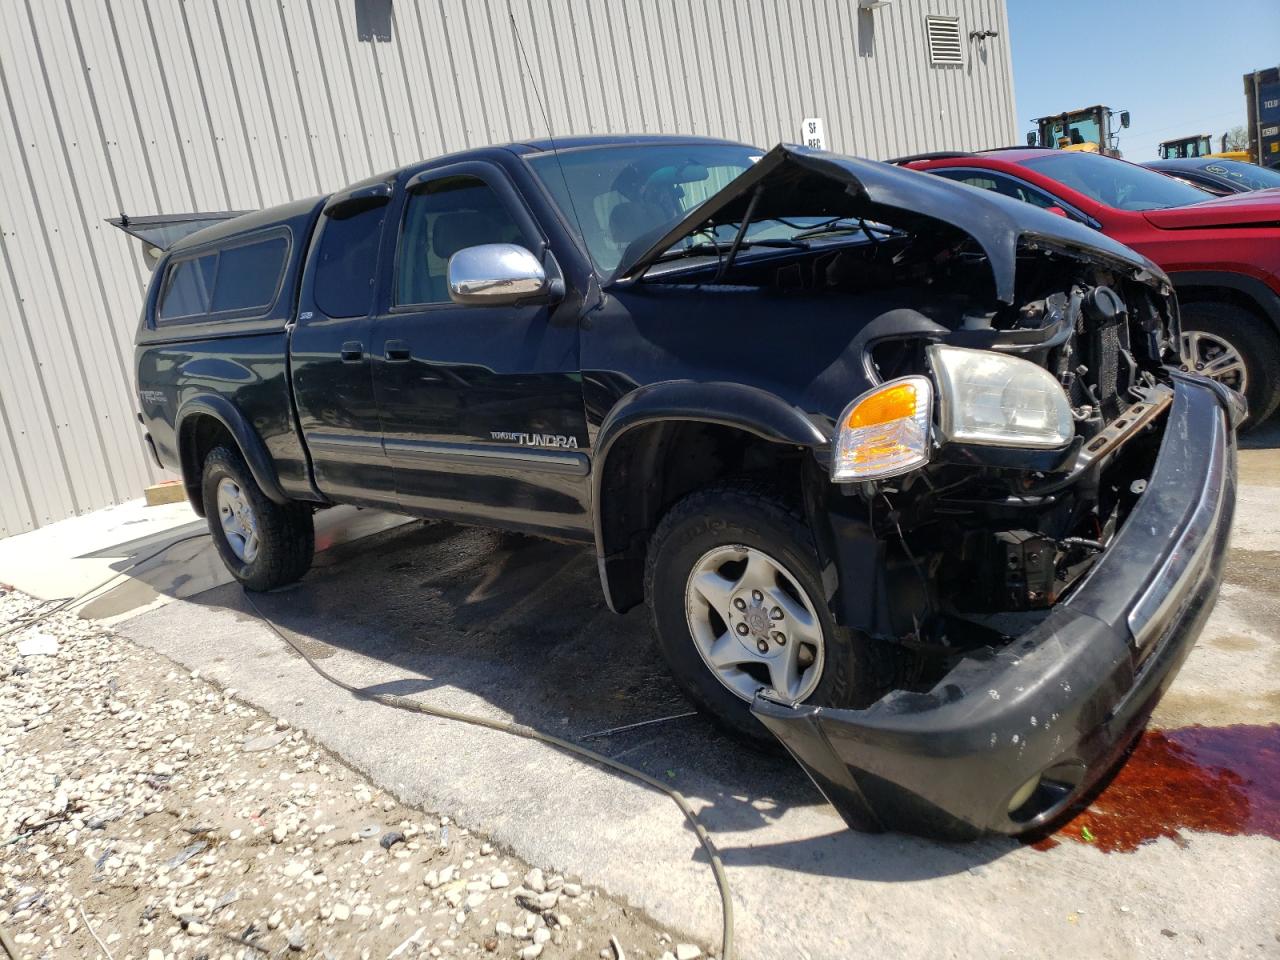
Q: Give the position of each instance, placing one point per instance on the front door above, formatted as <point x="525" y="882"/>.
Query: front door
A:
<point x="482" y="412"/>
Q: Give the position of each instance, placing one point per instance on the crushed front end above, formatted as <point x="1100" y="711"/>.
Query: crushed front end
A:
<point x="1044" y="564"/>
<point x="1019" y="726"/>
<point x="1027" y="512"/>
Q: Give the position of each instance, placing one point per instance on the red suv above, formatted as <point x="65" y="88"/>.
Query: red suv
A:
<point x="1222" y="254"/>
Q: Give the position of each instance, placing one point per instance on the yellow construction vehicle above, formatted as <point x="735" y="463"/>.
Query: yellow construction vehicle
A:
<point x="1089" y="130"/>
<point x="1200" y="145"/>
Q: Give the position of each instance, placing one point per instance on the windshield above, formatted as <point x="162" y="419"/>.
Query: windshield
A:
<point x="1079" y="128"/>
<point x="617" y="196"/>
<point x="1124" y="186"/>
<point x="1246" y="174"/>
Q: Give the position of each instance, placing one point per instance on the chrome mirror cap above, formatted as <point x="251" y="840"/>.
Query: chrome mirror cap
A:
<point x="495" y="273"/>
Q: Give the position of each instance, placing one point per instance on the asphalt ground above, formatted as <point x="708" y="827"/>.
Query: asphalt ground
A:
<point x="1179" y="858"/>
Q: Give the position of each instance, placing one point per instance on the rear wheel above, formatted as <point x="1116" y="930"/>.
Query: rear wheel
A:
<point x="264" y="544"/>
<point x="733" y="585"/>
<point x="1234" y="347"/>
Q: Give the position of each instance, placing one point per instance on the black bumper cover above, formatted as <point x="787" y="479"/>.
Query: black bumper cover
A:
<point x="1064" y="701"/>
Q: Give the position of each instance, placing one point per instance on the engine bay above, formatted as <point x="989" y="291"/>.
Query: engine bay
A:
<point x="984" y="540"/>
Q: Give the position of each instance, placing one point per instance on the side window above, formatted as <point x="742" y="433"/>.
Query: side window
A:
<point x="1005" y="186"/>
<point x="347" y="262"/>
<point x="972" y="179"/>
<point x="1032" y="196"/>
<point x="248" y="275"/>
<point x="442" y="217"/>
<point x="187" y="289"/>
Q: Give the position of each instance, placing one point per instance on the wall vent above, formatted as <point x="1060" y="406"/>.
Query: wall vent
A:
<point x="944" y="39"/>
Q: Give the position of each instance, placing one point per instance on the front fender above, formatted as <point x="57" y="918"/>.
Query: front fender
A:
<point x="734" y="405"/>
<point x="246" y="437"/>
<point x="1267" y="300"/>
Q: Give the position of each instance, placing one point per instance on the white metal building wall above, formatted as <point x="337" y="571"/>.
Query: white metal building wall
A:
<point x="143" y="107"/>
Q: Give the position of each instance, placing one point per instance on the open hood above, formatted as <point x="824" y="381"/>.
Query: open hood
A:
<point x="791" y="181"/>
<point x="1255" y="209"/>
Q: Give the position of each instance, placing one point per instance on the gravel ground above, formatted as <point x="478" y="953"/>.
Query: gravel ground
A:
<point x="143" y="806"/>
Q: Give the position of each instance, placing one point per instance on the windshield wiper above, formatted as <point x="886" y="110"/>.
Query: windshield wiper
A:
<point x="705" y="248"/>
<point x="854" y="225"/>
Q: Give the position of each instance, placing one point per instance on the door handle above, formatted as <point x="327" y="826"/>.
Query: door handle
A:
<point x="352" y="351"/>
<point x="396" y="351"/>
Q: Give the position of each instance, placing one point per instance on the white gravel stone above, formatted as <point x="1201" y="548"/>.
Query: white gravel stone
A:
<point x="180" y="815"/>
<point x="38" y="645"/>
<point x="534" y="880"/>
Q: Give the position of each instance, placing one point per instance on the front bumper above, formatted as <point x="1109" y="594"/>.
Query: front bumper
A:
<point x="1061" y="703"/>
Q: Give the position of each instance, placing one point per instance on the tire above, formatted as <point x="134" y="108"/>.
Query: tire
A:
<point x="729" y="517"/>
<point x="1253" y="340"/>
<point x="283" y="540"/>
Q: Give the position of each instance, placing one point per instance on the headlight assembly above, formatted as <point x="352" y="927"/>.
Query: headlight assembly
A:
<point x="884" y="432"/>
<point x="992" y="399"/>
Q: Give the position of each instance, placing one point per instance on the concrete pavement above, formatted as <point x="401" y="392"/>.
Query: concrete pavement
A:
<point x="514" y="627"/>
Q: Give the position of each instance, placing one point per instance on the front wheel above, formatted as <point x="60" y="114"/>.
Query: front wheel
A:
<point x="263" y="544"/>
<point x="733" y="585"/>
<point x="1234" y="347"/>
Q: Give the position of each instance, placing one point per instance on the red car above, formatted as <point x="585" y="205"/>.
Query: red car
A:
<point x="1223" y="254"/>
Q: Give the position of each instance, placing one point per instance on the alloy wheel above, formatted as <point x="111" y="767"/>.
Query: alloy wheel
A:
<point x="1214" y="357"/>
<point x="753" y="624"/>
<point x="239" y="524"/>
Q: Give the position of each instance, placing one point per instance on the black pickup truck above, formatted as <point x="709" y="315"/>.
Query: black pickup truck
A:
<point x="904" y="470"/>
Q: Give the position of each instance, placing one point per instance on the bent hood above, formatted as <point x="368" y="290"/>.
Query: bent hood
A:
<point x="791" y="181"/>
<point x="1257" y="209"/>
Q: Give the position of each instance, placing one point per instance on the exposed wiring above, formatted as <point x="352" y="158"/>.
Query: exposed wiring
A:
<point x="528" y="733"/>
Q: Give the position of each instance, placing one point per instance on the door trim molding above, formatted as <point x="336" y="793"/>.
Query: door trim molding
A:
<point x="345" y="444"/>
<point x="433" y="452"/>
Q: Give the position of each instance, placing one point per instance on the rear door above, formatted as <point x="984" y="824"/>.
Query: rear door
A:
<point x="482" y="411"/>
<point x="330" y="355"/>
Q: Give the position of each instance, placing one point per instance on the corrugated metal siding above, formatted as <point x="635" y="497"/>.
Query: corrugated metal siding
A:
<point x="125" y="105"/>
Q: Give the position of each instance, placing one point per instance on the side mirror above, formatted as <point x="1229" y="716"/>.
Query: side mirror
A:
<point x="1124" y="119"/>
<point x="1031" y="138"/>
<point x="496" y="274"/>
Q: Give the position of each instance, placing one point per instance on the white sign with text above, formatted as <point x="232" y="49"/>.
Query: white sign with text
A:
<point x="813" y="133"/>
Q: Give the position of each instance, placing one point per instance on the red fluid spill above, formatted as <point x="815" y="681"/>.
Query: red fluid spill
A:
<point x="1210" y="779"/>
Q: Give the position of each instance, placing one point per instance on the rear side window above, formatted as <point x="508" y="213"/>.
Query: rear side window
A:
<point x="347" y="262"/>
<point x="249" y="274"/>
<point x="188" y="290"/>
<point x="238" y="280"/>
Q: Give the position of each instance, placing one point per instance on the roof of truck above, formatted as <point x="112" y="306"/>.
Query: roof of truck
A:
<point x="604" y="140"/>
<point x="296" y="208"/>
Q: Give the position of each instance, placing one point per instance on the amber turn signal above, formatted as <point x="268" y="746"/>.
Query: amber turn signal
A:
<point x="884" y="432"/>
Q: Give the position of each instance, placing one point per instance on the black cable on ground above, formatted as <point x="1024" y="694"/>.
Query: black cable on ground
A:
<point x="528" y="733"/>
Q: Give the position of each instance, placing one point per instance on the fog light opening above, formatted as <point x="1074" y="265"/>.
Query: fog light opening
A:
<point x="1023" y="794"/>
<point x="1046" y="794"/>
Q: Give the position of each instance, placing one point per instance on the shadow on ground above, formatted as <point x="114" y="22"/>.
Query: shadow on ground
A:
<point x="520" y="622"/>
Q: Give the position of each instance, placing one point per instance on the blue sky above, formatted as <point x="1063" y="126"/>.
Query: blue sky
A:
<point x="1175" y="65"/>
